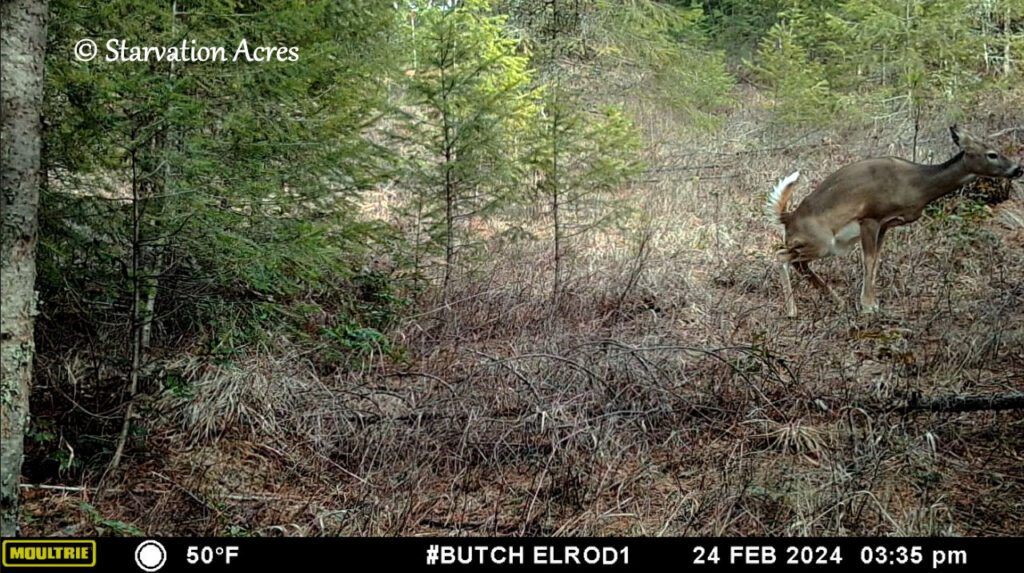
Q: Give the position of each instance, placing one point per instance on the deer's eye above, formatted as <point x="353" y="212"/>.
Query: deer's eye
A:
<point x="992" y="155"/>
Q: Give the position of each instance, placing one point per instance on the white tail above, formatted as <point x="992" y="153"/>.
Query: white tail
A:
<point x="775" y="204"/>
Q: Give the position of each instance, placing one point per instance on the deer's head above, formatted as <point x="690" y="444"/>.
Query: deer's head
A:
<point x="982" y="158"/>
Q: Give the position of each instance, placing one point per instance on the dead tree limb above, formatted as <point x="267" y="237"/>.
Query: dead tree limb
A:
<point x="958" y="403"/>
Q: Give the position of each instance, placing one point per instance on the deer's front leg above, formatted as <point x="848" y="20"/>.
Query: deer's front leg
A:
<point x="869" y="242"/>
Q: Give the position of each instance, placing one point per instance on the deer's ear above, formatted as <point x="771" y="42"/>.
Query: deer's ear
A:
<point x="961" y="139"/>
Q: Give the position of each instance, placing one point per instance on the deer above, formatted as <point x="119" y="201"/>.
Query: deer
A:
<point x="863" y="200"/>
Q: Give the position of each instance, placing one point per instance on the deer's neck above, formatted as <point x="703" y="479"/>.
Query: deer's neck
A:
<point x="940" y="180"/>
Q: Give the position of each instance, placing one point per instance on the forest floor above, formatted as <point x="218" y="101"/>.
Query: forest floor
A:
<point x="665" y="393"/>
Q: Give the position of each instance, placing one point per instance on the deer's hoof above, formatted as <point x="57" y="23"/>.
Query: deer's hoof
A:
<point x="869" y="309"/>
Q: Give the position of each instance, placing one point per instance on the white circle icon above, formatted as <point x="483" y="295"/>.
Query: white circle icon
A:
<point x="150" y="555"/>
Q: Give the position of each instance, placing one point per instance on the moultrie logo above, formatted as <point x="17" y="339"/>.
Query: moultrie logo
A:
<point x="49" y="553"/>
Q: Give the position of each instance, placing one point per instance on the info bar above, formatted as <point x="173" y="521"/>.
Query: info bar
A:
<point x="441" y="554"/>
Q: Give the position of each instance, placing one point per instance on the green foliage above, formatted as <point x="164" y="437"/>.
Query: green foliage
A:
<point x="829" y="41"/>
<point x="925" y="49"/>
<point x="885" y="56"/>
<point x="581" y="160"/>
<point x="800" y="90"/>
<point x="667" y="46"/>
<point x="379" y="299"/>
<point x="42" y="435"/>
<point x="736" y="25"/>
<point x="179" y="386"/>
<point x="645" y="52"/>
<point x="224" y="193"/>
<point x="467" y="95"/>
<point x="360" y="332"/>
<point x="236" y="531"/>
<point x="358" y="340"/>
<point x="242" y="182"/>
<point x="117" y="528"/>
<point x="960" y="209"/>
<point x="65" y="461"/>
<point x="41" y="431"/>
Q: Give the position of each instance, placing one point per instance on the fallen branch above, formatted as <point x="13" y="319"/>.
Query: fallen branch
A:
<point x="1007" y="130"/>
<point x="85" y="489"/>
<point x="957" y="403"/>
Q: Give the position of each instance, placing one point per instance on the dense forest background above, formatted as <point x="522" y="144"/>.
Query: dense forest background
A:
<point x="501" y="268"/>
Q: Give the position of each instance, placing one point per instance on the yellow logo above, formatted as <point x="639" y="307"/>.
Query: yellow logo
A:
<point x="49" y="553"/>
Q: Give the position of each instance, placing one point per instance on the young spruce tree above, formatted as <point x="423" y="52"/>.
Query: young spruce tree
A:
<point x="581" y="158"/>
<point x="468" y="98"/>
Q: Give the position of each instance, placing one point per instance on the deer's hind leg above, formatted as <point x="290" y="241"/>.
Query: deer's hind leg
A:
<point x="812" y="242"/>
<point x="805" y="269"/>
<point x="878" y="246"/>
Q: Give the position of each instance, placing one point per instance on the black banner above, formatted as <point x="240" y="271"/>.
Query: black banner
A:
<point x="440" y="554"/>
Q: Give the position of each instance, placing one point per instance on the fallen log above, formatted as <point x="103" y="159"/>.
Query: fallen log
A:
<point x="959" y="403"/>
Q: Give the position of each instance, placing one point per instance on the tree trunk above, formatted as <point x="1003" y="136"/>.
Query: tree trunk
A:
<point x="556" y="207"/>
<point x="23" y="42"/>
<point x="135" y="329"/>
<point x="449" y="185"/>
<point x="449" y="227"/>
<point x="1009" y="40"/>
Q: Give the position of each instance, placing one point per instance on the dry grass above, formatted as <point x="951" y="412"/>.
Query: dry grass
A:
<point x="664" y="395"/>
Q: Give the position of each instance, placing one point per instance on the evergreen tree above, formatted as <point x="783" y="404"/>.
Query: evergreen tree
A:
<point x="204" y="195"/>
<point x="800" y="91"/>
<point x="650" y="54"/>
<point x="467" y="97"/>
<point x="581" y="160"/>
